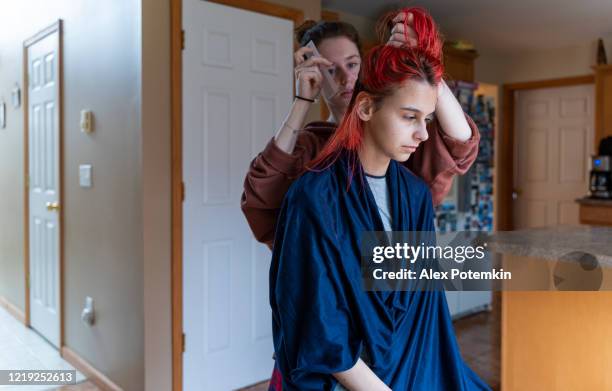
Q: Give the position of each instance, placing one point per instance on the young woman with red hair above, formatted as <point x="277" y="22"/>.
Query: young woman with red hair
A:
<point x="329" y="332"/>
<point x="450" y="150"/>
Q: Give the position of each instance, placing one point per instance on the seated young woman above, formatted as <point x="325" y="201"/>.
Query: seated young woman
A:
<point x="329" y="332"/>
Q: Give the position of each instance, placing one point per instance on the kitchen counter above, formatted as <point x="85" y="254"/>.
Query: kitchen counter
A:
<point x="553" y="243"/>
<point x="555" y="339"/>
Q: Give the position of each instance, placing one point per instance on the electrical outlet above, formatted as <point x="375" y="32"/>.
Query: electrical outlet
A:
<point x="88" y="316"/>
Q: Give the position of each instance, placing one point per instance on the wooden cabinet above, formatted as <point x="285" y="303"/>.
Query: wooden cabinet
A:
<point x="596" y="212"/>
<point x="596" y="215"/>
<point x="603" y="102"/>
<point x="556" y="340"/>
<point x="459" y="64"/>
<point x="555" y="315"/>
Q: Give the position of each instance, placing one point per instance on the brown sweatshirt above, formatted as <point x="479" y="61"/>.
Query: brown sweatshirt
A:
<point x="273" y="170"/>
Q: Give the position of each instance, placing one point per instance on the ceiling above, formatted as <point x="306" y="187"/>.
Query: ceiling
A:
<point x="505" y="26"/>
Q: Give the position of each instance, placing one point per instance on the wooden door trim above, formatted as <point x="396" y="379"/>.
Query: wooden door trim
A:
<point x="330" y="16"/>
<point x="176" y="116"/>
<point x="263" y="7"/>
<point x="56" y="27"/>
<point x="176" y="77"/>
<point x="505" y="144"/>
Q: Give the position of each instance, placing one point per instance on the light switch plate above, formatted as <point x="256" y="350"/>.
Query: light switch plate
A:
<point x="16" y="96"/>
<point x="85" y="175"/>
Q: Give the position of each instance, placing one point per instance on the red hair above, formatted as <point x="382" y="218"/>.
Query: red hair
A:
<point x="383" y="70"/>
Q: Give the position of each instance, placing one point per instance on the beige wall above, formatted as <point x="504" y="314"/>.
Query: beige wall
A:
<point x="538" y="65"/>
<point x="365" y="26"/>
<point x="156" y="183"/>
<point x="103" y="225"/>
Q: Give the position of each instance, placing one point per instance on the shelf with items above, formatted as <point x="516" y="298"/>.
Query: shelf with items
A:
<point x="469" y="206"/>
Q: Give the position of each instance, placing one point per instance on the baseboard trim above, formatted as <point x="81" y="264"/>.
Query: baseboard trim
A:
<point x="12" y="309"/>
<point x="94" y="375"/>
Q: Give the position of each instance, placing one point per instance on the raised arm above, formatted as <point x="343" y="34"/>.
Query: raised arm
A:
<point x="308" y="80"/>
<point x="274" y="169"/>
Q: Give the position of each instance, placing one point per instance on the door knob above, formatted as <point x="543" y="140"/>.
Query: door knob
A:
<point x="516" y="193"/>
<point x="53" y="206"/>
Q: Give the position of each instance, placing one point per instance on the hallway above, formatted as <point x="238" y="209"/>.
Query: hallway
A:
<point x="22" y="348"/>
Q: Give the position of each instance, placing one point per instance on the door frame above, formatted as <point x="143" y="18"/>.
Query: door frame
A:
<point x="56" y="27"/>
<point x="177" y="43"/>
<point x="505" y="144"/>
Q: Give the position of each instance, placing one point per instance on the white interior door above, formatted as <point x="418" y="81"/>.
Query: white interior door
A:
<point x="554" y="129"/>
<point x="44" y="189"/>
<point x="237" y="86"/>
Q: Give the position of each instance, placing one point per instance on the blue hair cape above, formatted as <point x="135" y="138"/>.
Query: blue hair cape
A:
<point x="323" y="318"/>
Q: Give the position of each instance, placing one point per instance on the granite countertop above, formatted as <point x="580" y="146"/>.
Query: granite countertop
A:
<point x="594" y="201"/>
<point x="554" y="242"/>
